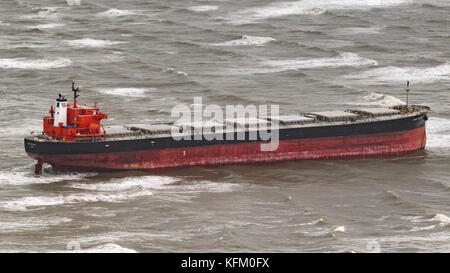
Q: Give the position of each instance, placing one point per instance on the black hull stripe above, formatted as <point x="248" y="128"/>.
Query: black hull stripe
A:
<point x="378" y="127"/>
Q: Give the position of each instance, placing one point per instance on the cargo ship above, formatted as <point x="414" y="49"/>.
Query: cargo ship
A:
<point x="73" y="138"/>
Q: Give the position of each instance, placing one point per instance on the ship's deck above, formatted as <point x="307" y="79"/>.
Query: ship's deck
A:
<point x="304" y="120"/>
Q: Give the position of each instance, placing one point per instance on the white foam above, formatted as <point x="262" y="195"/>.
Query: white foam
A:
<point x="24" y="203"/>
<point x="88" y="42"/>
<point x="306" y="7"/>
<point x="117" y="13"/>
<point x="382" y="100"/>
<point x="179" y="72"/>
<point x="401" y="74"/>
<point x="73" y="2"/>
<point x="343" y="59"/>
<point x="443" y="219"/>
<point x="106" y="248"/>
<point x="438" y="133"/>
<point x="339" y="229"/>
<point x="35" y="64"/>
<point x="247" y="40"/>
<point x="125" y="92"/>
<point x="203" y="8"/>
<point x="22" y="177"/>
<point x="47" y="26"/>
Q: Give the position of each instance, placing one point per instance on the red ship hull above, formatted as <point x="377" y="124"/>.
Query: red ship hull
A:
<point x="338" y="147"/>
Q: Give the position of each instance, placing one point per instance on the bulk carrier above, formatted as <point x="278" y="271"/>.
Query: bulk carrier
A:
<point x="73" y="138"/>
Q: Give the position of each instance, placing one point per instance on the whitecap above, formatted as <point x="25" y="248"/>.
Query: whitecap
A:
<point x="339" y="229"/>
<point x="73" y="2"/>
<point x="179" y="72"/>
<point x="106" y="248"/>
<point x="401" y="74"/>
<point x="14" y="177"/>
<point x="125" y="92"/>
<point x="25" y="203"/>
<point x="305" y="7"/>
<point x="117" y="13"/>
<point x="382" y="100"/>
<point x="343" y="59"/>
<point x="273" y="66"/>
<point x="443" y="220"/>
<point x="203" y="8"/>
<point x="88" y="42"/>
<point x="35" y="64"/>
<point x="247" y="40"/>
<point x="47" y="26"/>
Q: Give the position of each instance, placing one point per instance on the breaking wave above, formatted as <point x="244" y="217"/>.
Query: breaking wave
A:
<point x="106" y="248"/>
<point x="382" y="100"/>
<point x="88" y="42"/>
<point x="47" y="26"/>
<point x="398" y="74"/>
<point x="247" y="40"/>
<point x="35" y="64"/>
<point x="305" y="7"/>
<point x="273" y="66"/>
<point x="25" y="203"/>
<point x="343" y="59"/>
<point x="443" y="220"/>
<point x="125" y="92"/>
<point x="203" y="8"/>
<point x="21" y="177"/>
<point x="117" y="13"/>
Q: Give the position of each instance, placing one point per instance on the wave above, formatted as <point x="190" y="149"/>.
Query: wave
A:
<point x="274" y="66"/>
<point x="343" y="59"/>
<point x="24" y="203"/>
<point x="47" y="26"/>
<point x="438" y="133"/>
<point x="106" y="248"/>
<point x="247" y="40"/>
<point x="443" y="220"/>
<point x="117" y="13"/>
<point x="35" y="64"/>
<point x="399" y="74"/>
<point x="359" y="30"/>
<point x="125" y="92"/>
<point x="16" y="177"/>
<point x="382" y="100"/>
<point x="32" y="223"/>
<point x="338" y="228"/>
<point x="44" y="13"/>
<point x="203" y="8"/>
<point x="153" y="182"/>
<point x="73" y="2"/>
<point x="179" y="72"/>
<point x="88" y="42"/>
<point x="305" y="7"/>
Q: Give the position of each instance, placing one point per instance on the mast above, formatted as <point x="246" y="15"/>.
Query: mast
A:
<point x="76" y="94"/>
<point x="407" y="93"/>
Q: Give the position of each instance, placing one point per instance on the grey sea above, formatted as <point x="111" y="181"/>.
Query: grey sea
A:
<point x="138" y="59"/>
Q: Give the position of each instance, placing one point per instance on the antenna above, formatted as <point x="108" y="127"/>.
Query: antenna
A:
<point x="407" y="93"/>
